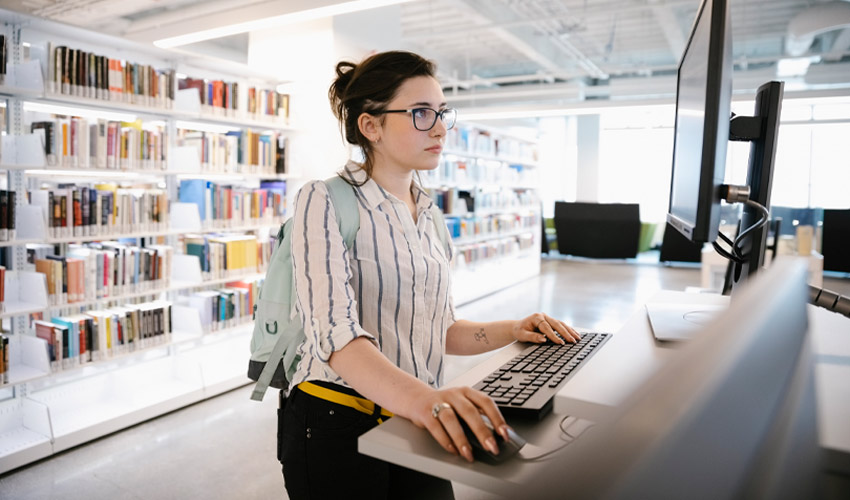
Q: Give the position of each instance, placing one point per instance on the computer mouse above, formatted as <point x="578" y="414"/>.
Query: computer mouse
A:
<point x="507" y="449"/>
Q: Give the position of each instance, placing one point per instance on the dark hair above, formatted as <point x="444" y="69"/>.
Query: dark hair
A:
<point x="369" y="86"/>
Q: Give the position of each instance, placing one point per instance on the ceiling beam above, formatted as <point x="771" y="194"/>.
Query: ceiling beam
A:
<point x="475" y="10"/>
<point x="670" y="28"/>
<point x="547" y="51"/>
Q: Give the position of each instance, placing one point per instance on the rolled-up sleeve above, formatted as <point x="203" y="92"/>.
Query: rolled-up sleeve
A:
<point x="321" y="271"/>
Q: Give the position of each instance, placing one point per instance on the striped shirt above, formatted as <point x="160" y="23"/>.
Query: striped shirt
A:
<point x="392" y="287"/>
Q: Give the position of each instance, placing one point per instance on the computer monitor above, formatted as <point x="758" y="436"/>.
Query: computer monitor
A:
<point x="703" y="95"/>
<point x="731" y="415"/>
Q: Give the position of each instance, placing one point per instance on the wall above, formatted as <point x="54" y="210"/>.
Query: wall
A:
<point x="305" y="55"/>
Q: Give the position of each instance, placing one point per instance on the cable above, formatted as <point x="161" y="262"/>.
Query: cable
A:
<point x="765" y="216"/>
<point x="724" y="253"/>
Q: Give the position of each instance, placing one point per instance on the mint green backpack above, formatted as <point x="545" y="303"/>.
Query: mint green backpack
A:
<point x="278" y="330"/>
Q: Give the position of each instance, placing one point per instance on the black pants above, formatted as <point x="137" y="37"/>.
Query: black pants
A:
<point x="317" y="446"/>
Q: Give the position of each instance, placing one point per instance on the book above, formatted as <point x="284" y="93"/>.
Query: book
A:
<point x="11" y="214"/>
<point x="4" y="215"/>
<point x="4" y="359"/>
<point x="48" y="128"/>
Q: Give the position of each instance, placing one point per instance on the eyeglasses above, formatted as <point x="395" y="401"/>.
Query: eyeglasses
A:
<point x="424" y="119"/>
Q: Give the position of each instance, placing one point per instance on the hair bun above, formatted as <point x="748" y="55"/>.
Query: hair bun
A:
<point x="345" y="67"/>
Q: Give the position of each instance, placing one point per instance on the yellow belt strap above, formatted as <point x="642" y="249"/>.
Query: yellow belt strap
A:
<point x="359" y="404"/>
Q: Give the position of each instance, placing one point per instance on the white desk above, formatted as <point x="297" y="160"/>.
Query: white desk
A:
<point x="626" y="361"/>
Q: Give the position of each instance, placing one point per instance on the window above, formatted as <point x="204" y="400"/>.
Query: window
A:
<point x="636" y="159"/>
<point x="812" y="166"/>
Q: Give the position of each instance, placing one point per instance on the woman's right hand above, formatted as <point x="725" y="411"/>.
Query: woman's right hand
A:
<point x="453" y="404"/>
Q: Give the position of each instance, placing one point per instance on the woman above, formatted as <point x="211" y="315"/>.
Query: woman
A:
<point x="379" y="317"/>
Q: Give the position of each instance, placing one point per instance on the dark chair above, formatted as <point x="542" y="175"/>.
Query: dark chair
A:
<point x="675" y="247"/>
<point x="835" y="245"/>
<point x="598" y="230"/>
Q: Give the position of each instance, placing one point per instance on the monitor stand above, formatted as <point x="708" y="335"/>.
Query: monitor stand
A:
<point x="761" y="130"/>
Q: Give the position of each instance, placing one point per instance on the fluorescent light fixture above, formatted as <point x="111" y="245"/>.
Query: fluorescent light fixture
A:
<point x="56" y="109"/>
<point x="275" y="21"/>
<point x="797" y="66"/>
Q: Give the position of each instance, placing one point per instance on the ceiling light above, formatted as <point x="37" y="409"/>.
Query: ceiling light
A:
<point x="275" y="21"/>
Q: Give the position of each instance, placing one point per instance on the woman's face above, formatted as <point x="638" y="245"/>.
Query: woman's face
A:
<point x="401" y="144"/>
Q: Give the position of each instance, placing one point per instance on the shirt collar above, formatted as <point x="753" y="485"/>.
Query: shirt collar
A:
<point x="374" y="195"/>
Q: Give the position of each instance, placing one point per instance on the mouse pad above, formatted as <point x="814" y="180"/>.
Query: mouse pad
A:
<point x="679" y="321"/>
<point x="553" y="433"/>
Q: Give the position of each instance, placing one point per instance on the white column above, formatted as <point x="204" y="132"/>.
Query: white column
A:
<point x="587" y="178"/>
<point x="558" y="161"/>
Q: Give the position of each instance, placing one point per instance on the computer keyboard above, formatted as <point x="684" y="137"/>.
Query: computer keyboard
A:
<point x="525" y="385"/>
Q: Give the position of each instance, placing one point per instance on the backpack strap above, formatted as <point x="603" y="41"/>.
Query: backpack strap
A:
<point x="442" y="230"/>
<point x="345" y="207"/>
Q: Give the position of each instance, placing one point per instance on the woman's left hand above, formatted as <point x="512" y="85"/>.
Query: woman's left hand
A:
<point x="540" y="327"/>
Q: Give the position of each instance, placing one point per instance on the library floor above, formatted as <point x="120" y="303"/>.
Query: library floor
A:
<point x="223" y="448"/>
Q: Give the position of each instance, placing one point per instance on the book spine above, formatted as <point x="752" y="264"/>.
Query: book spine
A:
<point x="10" y="224"/>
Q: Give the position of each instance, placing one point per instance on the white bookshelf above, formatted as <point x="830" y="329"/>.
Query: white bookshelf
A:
<point x="499" y="171"/>
<point x="43" y="412"/>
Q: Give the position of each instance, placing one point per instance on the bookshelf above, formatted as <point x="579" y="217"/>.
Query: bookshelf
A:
<point x="46" y="409"/>
<point x="486" y="186"/>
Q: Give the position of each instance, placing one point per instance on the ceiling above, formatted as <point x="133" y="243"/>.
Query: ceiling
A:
<point x="535" y="52"/>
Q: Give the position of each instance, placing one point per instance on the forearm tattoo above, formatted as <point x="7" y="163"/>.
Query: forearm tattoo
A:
<point x="480" y="336"/>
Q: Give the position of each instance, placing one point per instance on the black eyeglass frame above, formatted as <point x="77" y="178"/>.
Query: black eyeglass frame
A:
<point x="437" y="114"/>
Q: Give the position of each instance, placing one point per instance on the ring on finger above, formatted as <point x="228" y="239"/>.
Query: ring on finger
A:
<point x="537" y="326"/>
<point x="438" y="407"/>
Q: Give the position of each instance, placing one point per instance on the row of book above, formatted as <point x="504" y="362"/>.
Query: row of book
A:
<point x="101" y="209"/>
<point x="458" y="170"/>
<point x="4" y="359"/>
<point x="453" y="201"/>
<point x="222" y="98"/>
<point x="264" y="103"/>
<point x="95" y="335"/>
<point x="466" y="227"/>
<point x="2" y="286"/>
<point x="224" y="206"/>
<point x="227" y="255"/>
<point x="240" y="151"/>
<point x="483" y="142"/>
<point x="507" y="199"/>
<point x="7" y="214"/>
<point x="76" y="72"/>
<point x="72" y="141"/>
<point x="101" y="270"/>
<point x="489" y="249"/>
<point x="225" y="307"/>
<point x="457" y="201"/>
